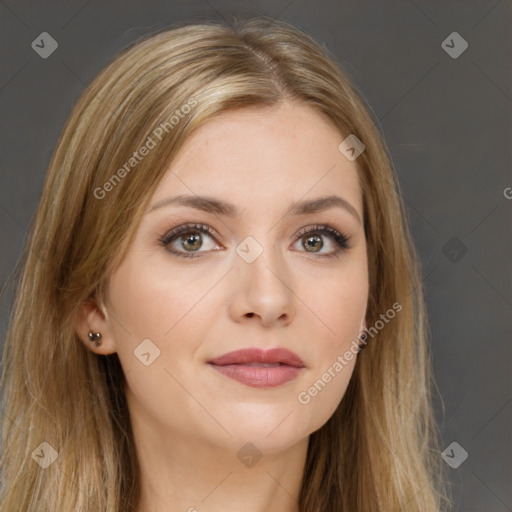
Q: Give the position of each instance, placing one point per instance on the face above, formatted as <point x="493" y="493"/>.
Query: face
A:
<point x="201" y="280"/>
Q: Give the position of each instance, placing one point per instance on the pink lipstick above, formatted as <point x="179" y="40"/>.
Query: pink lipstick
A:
<point x="259" y="368"/>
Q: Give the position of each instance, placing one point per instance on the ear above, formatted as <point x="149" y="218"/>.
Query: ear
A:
<point x="91" y="317"/>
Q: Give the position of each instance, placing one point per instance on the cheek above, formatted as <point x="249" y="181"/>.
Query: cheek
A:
<point x="151" y="301"/>
<point x="338" y="304"/>
<point x="159" y="313"/>
<point x="171" y="309"/>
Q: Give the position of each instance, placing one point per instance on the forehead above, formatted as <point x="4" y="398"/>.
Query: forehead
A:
<point x="263" y="156"/>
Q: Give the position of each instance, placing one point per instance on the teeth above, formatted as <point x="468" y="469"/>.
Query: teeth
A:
<point x="265" y="365"/>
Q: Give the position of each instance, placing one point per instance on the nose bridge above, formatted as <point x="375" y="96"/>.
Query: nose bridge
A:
<point x="262" y="261"/>
<point x="262" y="277"/>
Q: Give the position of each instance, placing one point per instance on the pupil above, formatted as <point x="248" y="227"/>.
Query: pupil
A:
<point x="314" y="241"/>
<point x="192" y="241"/>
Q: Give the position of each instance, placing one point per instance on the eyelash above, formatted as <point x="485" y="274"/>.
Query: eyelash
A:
<point x="340" y="239"/>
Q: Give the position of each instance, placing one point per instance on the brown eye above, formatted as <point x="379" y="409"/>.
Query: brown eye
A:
<point x="186" y="240"/>
<point x="314" y="242"/>
<point x="191" y="242"/>
<point x="312" y="239"/>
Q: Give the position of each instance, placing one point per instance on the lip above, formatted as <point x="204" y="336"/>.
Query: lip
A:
<point x="239" y="365"/>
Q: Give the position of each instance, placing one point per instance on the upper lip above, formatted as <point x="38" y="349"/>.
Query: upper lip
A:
<point x="258" y="355"/>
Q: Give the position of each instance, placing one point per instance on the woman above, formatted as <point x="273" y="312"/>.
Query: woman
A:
<point x="219" y="236"/>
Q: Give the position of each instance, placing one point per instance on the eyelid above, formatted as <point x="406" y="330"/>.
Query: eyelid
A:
<point x="186" y="227"/>
<point x="321" y="228"/>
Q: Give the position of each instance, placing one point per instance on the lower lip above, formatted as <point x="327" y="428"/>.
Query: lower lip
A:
<point x="259" y="376"/>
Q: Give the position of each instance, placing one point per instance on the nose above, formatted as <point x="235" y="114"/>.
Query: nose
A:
<point x="263" y="290"/>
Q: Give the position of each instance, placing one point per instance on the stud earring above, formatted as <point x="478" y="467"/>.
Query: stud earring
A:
<point x="363" y="338"/>
<point x="95" y="338"/>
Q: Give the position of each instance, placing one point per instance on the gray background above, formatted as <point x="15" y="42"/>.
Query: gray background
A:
<point x="447" y="124"/>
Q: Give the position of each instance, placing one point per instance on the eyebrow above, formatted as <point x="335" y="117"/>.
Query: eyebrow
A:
<point x="217" y="207"/>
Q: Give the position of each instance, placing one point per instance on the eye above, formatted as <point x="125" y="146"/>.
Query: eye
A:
<point x="312" y="239"/>
<point x="188" y="238"/>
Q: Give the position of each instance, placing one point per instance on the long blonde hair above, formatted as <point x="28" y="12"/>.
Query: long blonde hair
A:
<point x="378" y="451"/>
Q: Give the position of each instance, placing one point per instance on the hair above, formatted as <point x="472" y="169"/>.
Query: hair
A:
<point x="379" y="451"/>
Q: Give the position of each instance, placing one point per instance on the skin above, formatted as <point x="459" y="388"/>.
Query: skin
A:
<point x="189" y="420"/>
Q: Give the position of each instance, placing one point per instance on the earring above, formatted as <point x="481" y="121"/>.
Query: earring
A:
<point x="95" y="338"/>
<point x="362" y="338"/>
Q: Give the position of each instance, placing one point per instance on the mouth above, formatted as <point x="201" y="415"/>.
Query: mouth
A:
<point x="265" y="365"/>
<point x="258" y="368"/>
